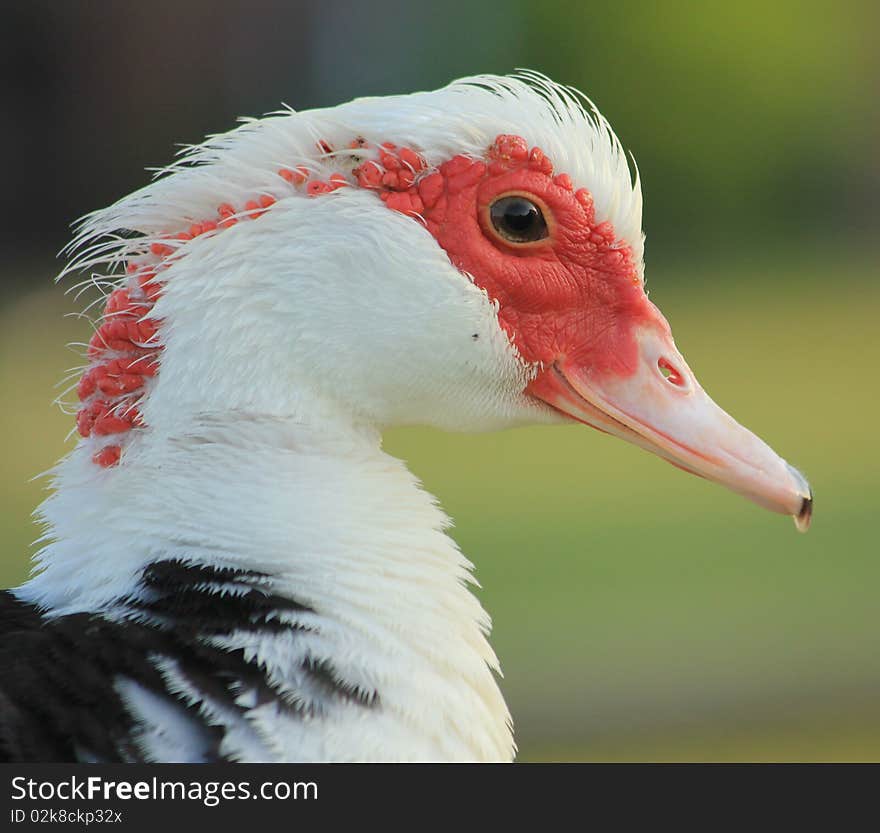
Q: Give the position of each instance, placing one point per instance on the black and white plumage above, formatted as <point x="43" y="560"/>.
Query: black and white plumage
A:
<point x="233" y="568"/>
<point x="62" y="695"/>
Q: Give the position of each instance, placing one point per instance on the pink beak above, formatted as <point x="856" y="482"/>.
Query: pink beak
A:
<point x="662" y="408"/>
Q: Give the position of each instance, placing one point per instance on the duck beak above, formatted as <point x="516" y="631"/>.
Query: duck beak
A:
<point x="661" y="407"/>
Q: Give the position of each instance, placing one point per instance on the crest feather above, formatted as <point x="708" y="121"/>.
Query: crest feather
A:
<point x="463" y="117"/>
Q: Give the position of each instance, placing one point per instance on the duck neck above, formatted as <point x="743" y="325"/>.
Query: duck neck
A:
<point x="331" y="522"/>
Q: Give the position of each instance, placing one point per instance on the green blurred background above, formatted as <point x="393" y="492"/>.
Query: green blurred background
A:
<point x="640" y="614"/>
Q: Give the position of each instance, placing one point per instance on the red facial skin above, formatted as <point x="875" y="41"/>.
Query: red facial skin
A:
<point x="573" y="297"/>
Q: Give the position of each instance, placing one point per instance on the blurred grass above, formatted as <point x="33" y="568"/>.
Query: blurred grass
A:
<point x="640" y="614"/>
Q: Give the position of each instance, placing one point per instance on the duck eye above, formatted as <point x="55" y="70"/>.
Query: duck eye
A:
<point x="518" y="220"/>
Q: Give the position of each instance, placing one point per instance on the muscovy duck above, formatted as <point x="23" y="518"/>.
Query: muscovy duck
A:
<point x="233" y="569"/>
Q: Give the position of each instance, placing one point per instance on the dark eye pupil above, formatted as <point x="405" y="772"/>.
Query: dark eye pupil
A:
<point x="518" y="220"/>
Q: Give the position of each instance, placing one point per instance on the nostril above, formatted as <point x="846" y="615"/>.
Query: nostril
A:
<point x="669" y="373"/>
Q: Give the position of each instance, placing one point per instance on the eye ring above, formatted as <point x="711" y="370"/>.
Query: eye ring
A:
<point x="517" y="219"/>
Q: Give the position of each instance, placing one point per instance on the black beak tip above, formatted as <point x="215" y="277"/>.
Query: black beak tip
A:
<point x="805" y="516"/>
